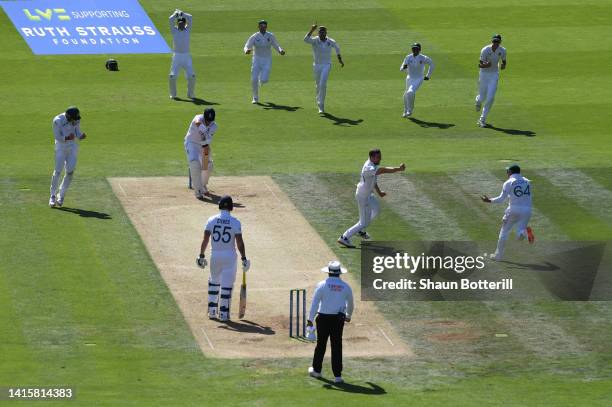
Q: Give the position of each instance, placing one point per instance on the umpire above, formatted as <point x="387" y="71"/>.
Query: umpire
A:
<point x="332" y="302"/>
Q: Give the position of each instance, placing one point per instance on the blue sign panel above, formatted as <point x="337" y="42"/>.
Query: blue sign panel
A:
<point x="85" y="27"/>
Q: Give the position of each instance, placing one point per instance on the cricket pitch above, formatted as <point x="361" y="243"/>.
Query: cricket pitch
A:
<point x="285" y="251"/>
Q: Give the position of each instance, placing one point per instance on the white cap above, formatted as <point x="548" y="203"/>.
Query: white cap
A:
<point x="334" y="267"/>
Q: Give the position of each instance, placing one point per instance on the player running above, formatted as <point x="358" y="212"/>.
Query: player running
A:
<point x="66" y="131"/>
<point x="197" y="144"/>
<point x="415" y="65"/>
<point x="226" y="234"/>
<point x="321" y="52"/>
<point x="490" y="57"/>
<point x="180" y="27"/>
<point x="367" y="203"/>
<point x="260" y="44"/>
<point x="517" y="189"/>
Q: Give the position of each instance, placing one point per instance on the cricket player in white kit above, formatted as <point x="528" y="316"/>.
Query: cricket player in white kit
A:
<point x="260" y="45"/>
<point x="517" y="190"/>
<point x="225" y="232"/>
<point x="197" y="144"/>
<point x="180" y="27"/>
<point x="66" y="131"/>
<point x="490" y="57"/>
<point x="367" y="203"/>
<point x="415" y="65"/>
<point x="321" y="52"/>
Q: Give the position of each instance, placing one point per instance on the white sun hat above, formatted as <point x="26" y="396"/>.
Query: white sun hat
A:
<point x="334" y="267"/>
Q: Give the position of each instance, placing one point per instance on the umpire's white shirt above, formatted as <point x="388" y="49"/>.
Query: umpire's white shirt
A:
<point x="487" y="54"/>
<point x="416" y="65"/>
<point x="262" y="44"/>
<point x="62" y="128"/>
<point x="366" y="184"/>
<point x="321" y="50"/>
<point x="517" y="189"/>
<point x="200" y="133"/>
<point x="332" y="296"/>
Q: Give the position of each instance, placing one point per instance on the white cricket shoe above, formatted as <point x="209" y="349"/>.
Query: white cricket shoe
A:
<point x="478" y="105"/>
<point x="312" y="373"/>
<point x="364" y="235"/>
<point x="255" y="101"/>
<point x="345" y="242"/>
<point x="212" y="313"/>
<point x="52" y="201"/>
<point x="338" y="380"/>
<point x="321" y="109"/>
<point x="407" y="114"/>
<point x="494" y="257"/>
<point x="60" y="201"/>
<point x="481" y="123"/>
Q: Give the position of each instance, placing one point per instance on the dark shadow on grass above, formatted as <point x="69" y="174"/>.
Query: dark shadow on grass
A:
<point x="248" y="327"/>
<point x="512" y="132"/>
<point x="425" y="124"/>
<point x="546" y="266"/>
<point x="340" y="121"/>
<point x="85" y="213"/>
<point x="214" y="199"/>
<point x="197" y="101"/>
<point x="373" y="389"/>
<point x="274" y="106"/>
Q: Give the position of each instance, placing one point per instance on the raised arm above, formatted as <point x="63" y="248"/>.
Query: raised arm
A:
<point x="308" y="38"/>
<point x="390" y="170"/>
<point x="172" y="19"/>
<point x="189" y="19"/>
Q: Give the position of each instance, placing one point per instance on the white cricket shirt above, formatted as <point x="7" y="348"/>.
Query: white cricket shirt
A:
<point x="517" y="189"/>
<point x="487" y="54"/>
<point x="223" y="229"/>
<point x="200" y="133"/>
<point x="262" y="44"/>
<point x="321" y="50"/>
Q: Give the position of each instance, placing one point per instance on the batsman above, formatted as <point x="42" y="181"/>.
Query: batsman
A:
<point x="197" y="147"/>
<point x="225" y="231"/>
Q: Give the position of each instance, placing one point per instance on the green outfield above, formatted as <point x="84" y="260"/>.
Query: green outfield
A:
<point x="83" y="304"/>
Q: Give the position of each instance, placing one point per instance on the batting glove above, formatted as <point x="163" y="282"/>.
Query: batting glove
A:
<point x="201" y="261"/>
<point x="246" y="264"/>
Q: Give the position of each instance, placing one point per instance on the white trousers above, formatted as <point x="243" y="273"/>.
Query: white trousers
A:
<point x="517" y="216"/>
<point x="199" y="177"/>
<point x="260" y="73"/>
<point x="65" y="158"/>
<point x="368" y="210"/>
<point x="223" y="267"/>
<point x="321" y="73"/>
<point x="181" y="61"/>
<point x="487" y="86"/>
<point x="412" y="85"/>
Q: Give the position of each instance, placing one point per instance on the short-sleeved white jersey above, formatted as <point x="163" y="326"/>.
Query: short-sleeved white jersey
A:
<point x="223" y="229"/>
<point x="517" y="189"/>
<point x="262" y="44"/>
<point x="368" y="178"/>
<point x="200" y="133"/>
<point x="487" y="54"/>
<point x="321" y="50"/>
<point x="416" y="65"/>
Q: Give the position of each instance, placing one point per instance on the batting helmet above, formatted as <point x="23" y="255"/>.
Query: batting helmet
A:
<point x="209" y="114"/>
<point x="226" y="203"/>
<point x="112" y="65"/>
<point x="73" y="114"/>
<point x="514" y="169"/>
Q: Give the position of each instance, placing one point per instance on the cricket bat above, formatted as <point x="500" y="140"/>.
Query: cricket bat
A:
<point x="243" y="297"/>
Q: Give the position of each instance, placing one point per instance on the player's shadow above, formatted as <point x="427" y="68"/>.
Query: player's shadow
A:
<point x="425" y="124"/>
<point x="513" y="132"/>
<point x="373" y="389"/>
<point x="214" y="199"/>
<point x="274" y="106"/>
<point x="546" y="266"/>
<point x="340" y="121"/>
<point x="85" y="213"/>
<point x="197" y="101"/>
<point x="248" y="327"/>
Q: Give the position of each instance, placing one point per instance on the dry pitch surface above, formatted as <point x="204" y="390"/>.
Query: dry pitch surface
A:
<point x="285" y="251"/>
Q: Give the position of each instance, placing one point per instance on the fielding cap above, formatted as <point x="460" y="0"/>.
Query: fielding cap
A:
<point x="416" y="45"/>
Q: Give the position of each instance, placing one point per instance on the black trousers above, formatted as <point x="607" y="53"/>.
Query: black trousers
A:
<point x="329" y="326"/>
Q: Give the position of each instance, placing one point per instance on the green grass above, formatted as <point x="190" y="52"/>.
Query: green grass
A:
<point x="82" y="304"/>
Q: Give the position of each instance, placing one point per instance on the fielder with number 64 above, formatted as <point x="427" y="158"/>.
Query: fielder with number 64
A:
<point x="225" y="232"/>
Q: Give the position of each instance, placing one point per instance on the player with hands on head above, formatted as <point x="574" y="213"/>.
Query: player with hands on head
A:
<point x="367" y="203"/>
<point x="180" y="27"/>
<point x="224" y="233"/>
